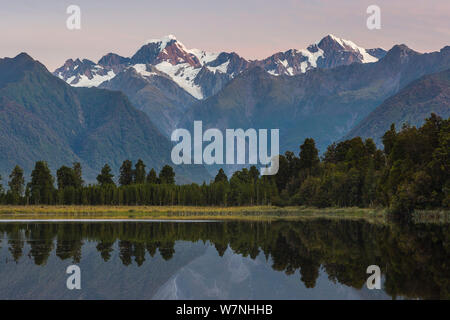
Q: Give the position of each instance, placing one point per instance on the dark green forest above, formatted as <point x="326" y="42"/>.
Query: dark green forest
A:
<point x="412" y="171"/>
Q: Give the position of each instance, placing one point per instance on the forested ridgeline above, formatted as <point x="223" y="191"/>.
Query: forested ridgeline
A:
<point x="412" y="257"/>
<point x="411" y="172"/>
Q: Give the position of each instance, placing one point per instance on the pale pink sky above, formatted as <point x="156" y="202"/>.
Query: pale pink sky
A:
<point x="252" y="28"/>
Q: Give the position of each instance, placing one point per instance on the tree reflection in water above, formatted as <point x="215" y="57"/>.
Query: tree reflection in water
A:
<point x="414" y="258"/>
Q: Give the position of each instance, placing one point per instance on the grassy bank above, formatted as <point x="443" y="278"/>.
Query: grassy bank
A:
<point x="182" y="212"/>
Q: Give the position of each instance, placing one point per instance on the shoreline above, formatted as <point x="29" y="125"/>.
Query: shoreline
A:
<point x="9" y="213"/>
<point x="181" y="213"/>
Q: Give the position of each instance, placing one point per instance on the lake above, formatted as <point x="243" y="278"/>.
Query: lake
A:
<point x="306" y="259"/>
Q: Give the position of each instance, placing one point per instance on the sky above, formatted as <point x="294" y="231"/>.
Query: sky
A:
<point x="254" y="29"/>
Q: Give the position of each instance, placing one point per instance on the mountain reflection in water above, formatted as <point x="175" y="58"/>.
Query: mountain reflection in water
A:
<point x="311" y="259"/>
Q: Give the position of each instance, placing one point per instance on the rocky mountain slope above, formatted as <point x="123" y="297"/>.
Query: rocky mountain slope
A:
<point x="412" y="104"/>
<point x="154" y="93"/>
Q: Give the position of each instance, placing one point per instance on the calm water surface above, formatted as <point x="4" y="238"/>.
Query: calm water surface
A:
<point x="314" y="259"/>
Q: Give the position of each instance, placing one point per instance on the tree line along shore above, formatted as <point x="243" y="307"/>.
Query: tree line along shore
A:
<point x="411" y="172"/>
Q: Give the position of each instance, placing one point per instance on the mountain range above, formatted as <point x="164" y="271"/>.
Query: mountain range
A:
<point x="43" y="118"/>
<point x="203" y="73"/>
<point x="198" y="73"/>
<point x="126" y="108"/>
<point x="322" y="103"/>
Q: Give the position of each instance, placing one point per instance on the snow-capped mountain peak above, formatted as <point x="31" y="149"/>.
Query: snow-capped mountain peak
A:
<point x="191" y="69"/>
<point x="83" y="73"/>
<point x="350" y="46"/>
<point x="331" y="51"/>
<point x="163" y="41"/>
